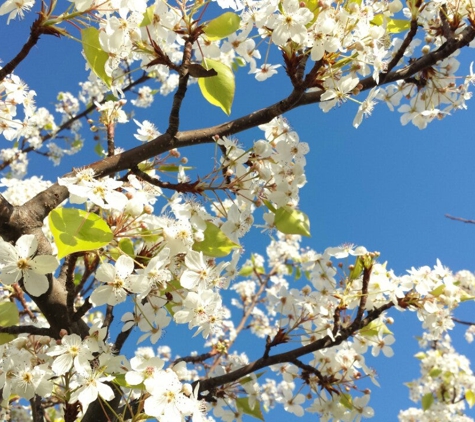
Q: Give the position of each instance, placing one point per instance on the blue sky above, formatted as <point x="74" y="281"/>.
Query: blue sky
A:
<point x="383" y="186"/>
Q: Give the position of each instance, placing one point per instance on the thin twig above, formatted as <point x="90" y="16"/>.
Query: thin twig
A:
<point x="463" y="220"/>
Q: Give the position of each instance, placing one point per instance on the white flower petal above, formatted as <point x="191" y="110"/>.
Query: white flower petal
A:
<point x="26" y="245"/>
<point x="44" y="264"/>
<point x="35" y="284"/>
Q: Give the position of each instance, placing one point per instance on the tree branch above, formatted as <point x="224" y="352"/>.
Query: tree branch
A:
<point x="326" y="342"/>
<point x="26" y="329"/>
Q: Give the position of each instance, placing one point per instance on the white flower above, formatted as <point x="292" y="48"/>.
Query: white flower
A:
<point x="147" y="131"/>
<point x="383" y="344"/>
<point x="167" y="402"/>
<point x="291" y="23"/>
<point x="93" y="385"/>
<point x="339" y="92"/>
<point x="118" y="282"/>
<point x="265" y="71"/>
<point x="15" y="7"/>
<point x="16" y="263"/>
<point x="72" y="351"/>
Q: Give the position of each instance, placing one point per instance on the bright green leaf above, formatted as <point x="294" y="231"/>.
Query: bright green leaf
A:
<point x="434" y="373"/>
<point x="75" y="230"/>
<point x="218" y="90"/>
<point x="347" y="401"/>
<point x="96" y="57"/>
<point x="394" y="26"/>
<point x="148" y="16"/>
<point x="373" y="328"/>
<point x="438" y="290"/>
<point x="357" y="269"/>
<point x="243" y="406"/>
<point x="246" y="271"/>
<point x="245" y="380"/>
<point x="127" y="246"/>
<point x="420" y="355"/>
<point x="291" y="221"/>
<point x="215" y="243"/>
<point x="173" y="169"/>
<point x="99" y="150"/>
<point x="470" y="397"/>
<point x="222" y="26"/>
<point x="427" y="401"/>
<point x="9" y="316"/>
<point x="120" y="380"/>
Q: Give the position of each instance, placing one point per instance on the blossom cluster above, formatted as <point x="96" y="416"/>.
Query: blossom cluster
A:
<point x="170" y="258"/>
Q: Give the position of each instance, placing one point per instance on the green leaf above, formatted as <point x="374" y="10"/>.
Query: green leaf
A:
<point x="246" y="271"/>
<point x="218" y="90"/>
<point x="394" y="26"/>
<point x="346" y="400"/>
<point x="247" y="379"/>
<point x="222" y="26"/>
<point x="120" y="380"/>
<point x="434" y="373"/>
<point x="96" y="57"/>
<point x="99" y="150"/>
<point x="75" y="230"/>
<point x="357" y="269"/>
<point x="420" y="355"/>
<point x="215" y="243"/>
<point x="374" y="328"/>
<point x="427" y="401"/>
<point x="148" y="16"/>
<point x="291" y="221"/>
<point x="470" y="397"/>
<point x="172" y="168"/>
<point x="243" y="406"/>
<point x="9" y="316"/>
<point x="127" y="246"/>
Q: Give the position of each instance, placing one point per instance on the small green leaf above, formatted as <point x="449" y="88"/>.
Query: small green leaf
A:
<point x="120" y="380"/>
<point x="246" y="271"/>
<point x="427" y="401"/>
<point x="438" y="290"/>
<point x="346" y="400"/>
<point x="215" y="243"/>
<point x="357" y="269"/>
<point x="243" y="406"/>
<point x="96" y="57"/>
<point x="245" y="380"/>
<point x="291" y="221"/>
<point x="9" y="316"/>
<point x="127" y="246"/>
<point x="173" y="169"/>
<point x="470" y="397"/>
<point x="434" y="373"/>
<point x="222" y="26"/>
<point x="99" y="150"/>
<point x="374" y="328"/>
<point x="218" y="90"/>
<point x="148" y="16"/>
<point x="420" y="355"/>
<point x="75" y="230"/>
<point x="394" y="26"/>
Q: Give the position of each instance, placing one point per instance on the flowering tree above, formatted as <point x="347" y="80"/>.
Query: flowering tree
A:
<point x="122" y="231"/>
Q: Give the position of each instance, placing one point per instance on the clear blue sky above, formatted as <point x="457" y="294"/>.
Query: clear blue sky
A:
<point x="383" y="186"/>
